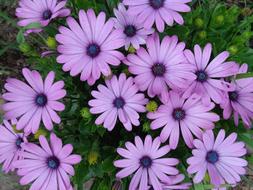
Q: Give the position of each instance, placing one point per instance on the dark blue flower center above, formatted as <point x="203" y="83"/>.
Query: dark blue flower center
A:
<point x="158" y="69"/>
<point x="41" y="100"/>
<point x="146" y="161"/>
<point x="233" y="96"/>
<point x="130" y="30"/>
<point x="47" y="14"/>
<point x="201" y="76"/>
<point x="178" y="114"/>
<point x="119" y="102"/>
<point x="53" y="162"/>
<point x="156" y="4"/>
<point x="93" y="50"/>
<point x="19" y="141"/>
<point x="212" y="157"/>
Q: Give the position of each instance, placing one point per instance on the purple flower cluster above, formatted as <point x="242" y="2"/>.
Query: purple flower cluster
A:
<point x="188" y="83"/>
<point x="47" y="166"/>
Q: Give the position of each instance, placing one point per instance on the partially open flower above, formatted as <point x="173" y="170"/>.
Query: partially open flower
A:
<point x="40" y="11"/>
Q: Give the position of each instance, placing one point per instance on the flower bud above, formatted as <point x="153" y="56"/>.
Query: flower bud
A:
<point x="146" y="127"/>
<point x="85" y="113"/>
<point x="42" y="132"/>
<point x="199" y="22"/>
<point x="219" y="20"/>
<point x="233" y="49"/>
<point x="93" y="157"/>
<point x="25" y="47"/>
<point x="202" y="34"/>
<point x="151" y="106"/>
<point x="247" y="34"/>
<point x="131" y="49"/>
<point x="51" y="42"/>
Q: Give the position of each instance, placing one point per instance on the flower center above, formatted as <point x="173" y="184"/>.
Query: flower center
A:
<point x="158" y="69"/>
<point x="156" y="4"/>
<point x="201" y="76"/>
<point x="119" y="102"/>
<point x="53" y="162"/>
<point x="178" y="114"/>
<point x="41" y="100"/>
<point x="47" y="14"/>
<point x="130" y="30"/>
<point x="212" y="157"/>
<point x="233" y="96"/>
<point x="19" y="141"/>
<point x="145" y="161"/>
<point x="93" y="50"/>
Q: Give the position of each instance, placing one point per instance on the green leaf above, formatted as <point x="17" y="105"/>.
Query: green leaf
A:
<point x="244" y="75"/>
<point x="34" y="25"/>
<point x="246" y="138"/>
<point x="20" y="37"/>
<point x="107" y="165"/>
<point x="103" y="185"/>
<point x="250" y="159"/>
<point x="199" y="186"/>
<point x="82" y="171"/>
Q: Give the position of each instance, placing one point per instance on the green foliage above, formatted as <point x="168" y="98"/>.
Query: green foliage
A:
<point x="210" y="21"/>
<point x="220" y="25"/>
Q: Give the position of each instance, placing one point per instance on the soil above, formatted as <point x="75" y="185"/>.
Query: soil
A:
<point x="11" y="61"/>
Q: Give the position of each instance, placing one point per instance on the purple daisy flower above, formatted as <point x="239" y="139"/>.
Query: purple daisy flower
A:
<point x="41" y="11"/>
<point x="160" y="65"/>
<point x="10" y="146"/>
<point x="145" y="162"/>
<point x="224" y="165"/>
<point x="208" y="83"/>
<point x="190" y="116"/>
<point x="48" y="166"/>
<point x="89" y="47"/>
<point x="132" y="30"/>
<point x="34" y="102"/>
<point x="118" y="99"/>
<point x="240" y="101"/>
<point x="158" y="12"/>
